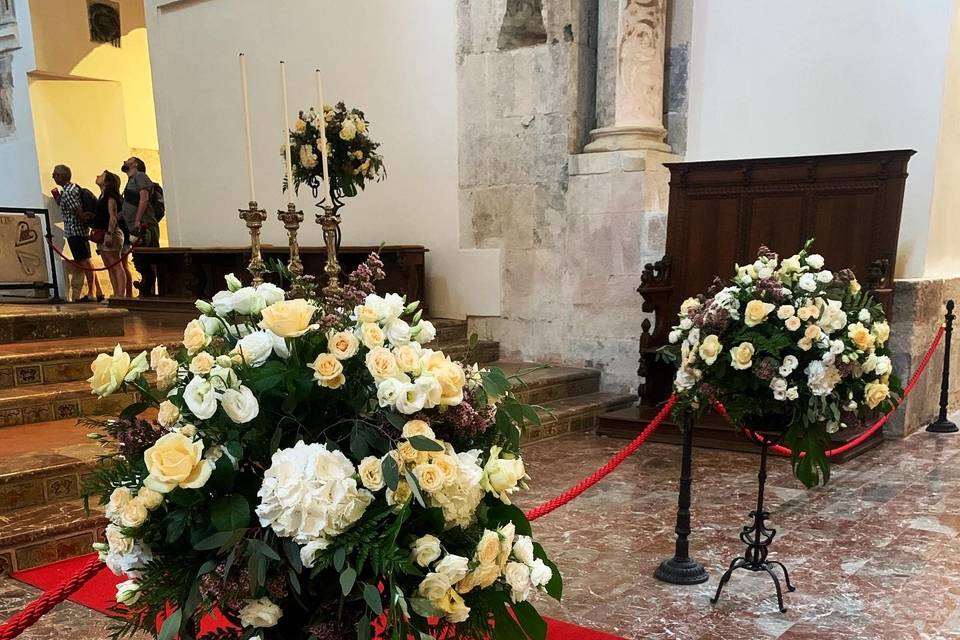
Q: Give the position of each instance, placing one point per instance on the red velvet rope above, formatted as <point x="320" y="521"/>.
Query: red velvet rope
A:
<point x="866" y="435"/>
<point x="123" y="257"/>
<point x="604" y="471"/>
<point x="48" y="600"/>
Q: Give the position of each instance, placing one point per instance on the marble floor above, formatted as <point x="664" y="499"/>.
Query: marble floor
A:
<point x="872" y="554"/>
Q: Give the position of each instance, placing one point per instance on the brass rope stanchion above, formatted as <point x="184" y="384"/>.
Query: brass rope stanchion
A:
<point x="254" y="216"/>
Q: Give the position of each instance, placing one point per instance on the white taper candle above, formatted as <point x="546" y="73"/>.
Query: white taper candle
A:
<point x="323" y="142"/>
<point x="286" y="133"/>
<point x="246" y="125"/>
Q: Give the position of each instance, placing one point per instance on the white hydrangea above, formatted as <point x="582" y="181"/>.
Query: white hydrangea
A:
<point x="460" y="496"/>
<point x="310" y="494"/>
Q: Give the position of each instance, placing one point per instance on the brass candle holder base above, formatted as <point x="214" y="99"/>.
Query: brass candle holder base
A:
<point x="254" y="216"/>
<point x="291" y="219"/>
<point x="329" y="220"/>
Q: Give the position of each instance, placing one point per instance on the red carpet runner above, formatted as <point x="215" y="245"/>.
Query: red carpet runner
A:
<point x="98" y="594"/>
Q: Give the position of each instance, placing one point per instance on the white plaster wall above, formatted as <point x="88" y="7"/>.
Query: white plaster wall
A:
<point x="393" y="60"/>
<point x="782" y="77"/>
<point x="943" y="252"/>
<point x="19" y="182"/>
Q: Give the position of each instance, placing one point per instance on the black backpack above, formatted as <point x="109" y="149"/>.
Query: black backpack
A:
<point x="88" y="201"/>
<point x="156" y="202"/>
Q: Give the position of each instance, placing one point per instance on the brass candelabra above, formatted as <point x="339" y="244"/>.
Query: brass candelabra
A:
<point x="329" y="221"/>
<point x="291" y="219"/>
<point x="254" y="216"/>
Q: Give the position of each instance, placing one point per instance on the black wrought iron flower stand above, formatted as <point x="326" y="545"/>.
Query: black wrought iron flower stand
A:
<point x="758" y="537"/>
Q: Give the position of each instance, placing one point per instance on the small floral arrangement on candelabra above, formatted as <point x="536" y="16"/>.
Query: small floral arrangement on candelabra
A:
<point x="787" y="343"/>
<point x="352" y="156"/>
<point x="315" y="471"/>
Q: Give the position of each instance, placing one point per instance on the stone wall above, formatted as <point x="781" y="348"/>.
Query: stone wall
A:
<point x="918" y="312"/>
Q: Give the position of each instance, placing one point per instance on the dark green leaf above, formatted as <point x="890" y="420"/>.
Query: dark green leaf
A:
<point x="292" y="551"/>
<point x="234" y="448"/>
<point x="223" y="475"/>
<point x="266" y="377"/>
<point x="391" y="472"/>
<point x="213" y="542"/>
<point x="507" y="627"/>
<point x="171" y="626"/>
<point x="371" y="596"/>
<point x="294" y="580"/>
<point x="230" y="513"/>
<point x="258" y="546"/>
<point x="423" y="443"/>
<point x="396" y="420"/>
<point x="364" y="629"/>
<point x="348" y="577"/>
<point x="339" y="558"/>
<point x="133" y="410"/>
<point x="176" y="521"/>
<point x="530" y="620"/>
<point x="500" y="514"/>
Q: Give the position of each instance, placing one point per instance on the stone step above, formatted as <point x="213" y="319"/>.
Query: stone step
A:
<point x="538" y="383"/>
<point x="68" y="359"/>
<point x="26" y="322"/>
<point x="34" y="536"/>
<point x="574" y="413"/>
<point x="57" y="401"/>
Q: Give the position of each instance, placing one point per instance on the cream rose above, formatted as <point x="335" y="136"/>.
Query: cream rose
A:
<point x="409" y="454"/>
<point x="167" y="370"/>
<point x="195" y="339"/>
<point x="861" y="336"/>
<point x="792" y="323"/>
<point x="517" y="576"/>
<point x="425" y="550"/>
<point x="408" y="358"/>
<point x="756" y="312"/>
<point x="430" y="477"/>
<point x="812" y="332"/>
<point x="741" y="356"/>
<point x="382" y="364"/>
<point x="453" y="567"/>
<point x="785" y="311"/>
<point x="260" y="613"/>
<point x="687" y="305"/>
<point x="502" y="476"/>
<point x="449" y="374"/>
<point x="168" y="414"/>
<point x="448" y="465"/>
<point x="875" y="393"/>
<point x="417" y="428"/>
<point x="371" y="473"/>
<point x="110" y="371"/>
<point x="176" y="461"/>
<point x="134" y="513"/>
<point x="523" y="549"/>
<point x="453" y="607"/>
<point x="482" y="576"/>
<point x="343" y="345"/>
<point x="149" y="498"/>
<point x="710" y="348"/>
<point x="371" y="335"/>
<point x="202" y="363"/>
<point x="289" y="318"/>
<point x="158" y="354"/>
<point x="434" y="586"/>
<point x="328" y="371"/>
<point x="881" y="331"/>
<point x="488" y="549"/>
<point x="365" y="314"/>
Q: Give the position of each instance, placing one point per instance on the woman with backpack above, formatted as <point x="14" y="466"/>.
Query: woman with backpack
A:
<point x="105" y="230"/>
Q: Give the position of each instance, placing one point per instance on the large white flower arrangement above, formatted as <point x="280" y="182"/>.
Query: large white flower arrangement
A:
<point x="313" y="470"/>
<point x="788" y="341"/>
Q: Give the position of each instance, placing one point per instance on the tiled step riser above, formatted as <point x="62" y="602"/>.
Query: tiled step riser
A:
<point x="585" y="421"/>
<point x="67" y="407"/>
<point x="48" y="488"/>
<point x="25" y="328"/>
<point x="37" y="553"/>
<point x="549" y="392"/>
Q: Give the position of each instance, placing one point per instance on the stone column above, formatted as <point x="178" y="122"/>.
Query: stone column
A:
<point x="635" y="51"/>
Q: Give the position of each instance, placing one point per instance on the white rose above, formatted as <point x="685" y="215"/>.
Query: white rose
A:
<point x="149" y="498"/>
<point x="348" y="130"/>
<point x="453" y="567"/>
<point x="222" y="303"/>
<point x="523" y="549"/>
<point x="270" y="293"/>
<point x="212" y="325"/>
<point x="864" y="315"/>
<point x="434" y="586"/>
<point x="540" y="573"/>
<point x="247" y="301"/>
<point x="686" y="324"/>
<point x="686" y="378"/>
<point x="133" y="514"/>
<point x="821" y="378"/>
<point x="117" y="542"/>
<point x="256" y="348"/>
<point x="201" y="398"/>
<point x="501" y="476"/>
<point x="389" y="391"/>
<point x="883" y="366"/>
<point x="424" y="332"/>
<point x="674" y="336"/>
<point x="412" y="399"/>
<point x="815" y="261"/>
<point x="808" y="282"/>
<point x="825" y="277"/>
<point x="118" y="500"/>
<point x="168" y="414"/>
<point x="223" y="378"/>
<point x="792" y="393"/>
<point x="397" y="332"/>
<point x="128" y="592"/>
<point x="517" y="576"/>
<point x="371" y="473"/>
<point x="784" y="311"/>
<point x="308" y="552"/>
<point x="240" y="405"/>
<point x="260" y="613"/>
<point x="387" y="307"/>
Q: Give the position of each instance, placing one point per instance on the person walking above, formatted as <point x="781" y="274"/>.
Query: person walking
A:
<point x="106" y="232"/>
<point x="70" y="199"/>
<point x="138" y="214"/>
